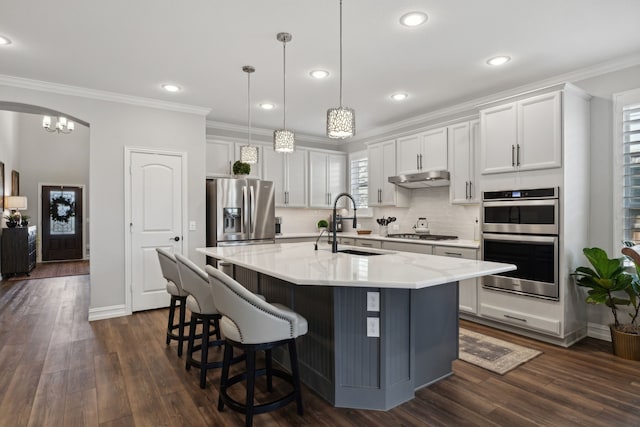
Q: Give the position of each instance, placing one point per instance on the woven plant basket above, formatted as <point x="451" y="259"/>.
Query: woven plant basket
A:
<point x="625" y="345"/>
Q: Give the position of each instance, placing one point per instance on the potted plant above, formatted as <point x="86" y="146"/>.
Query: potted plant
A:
<point x="241" y="168"/>
<point x="611" y="285"/>
<point x="323" y="223"/>
<point x="12" y="219"/>
<point x="25" y="220"/>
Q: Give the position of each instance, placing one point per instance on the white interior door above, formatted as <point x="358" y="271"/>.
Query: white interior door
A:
<point x="156" y="222"/>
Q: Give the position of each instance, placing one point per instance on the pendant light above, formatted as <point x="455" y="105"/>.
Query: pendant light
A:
<point x="284" y="139"/>
<point x="249" y="153"/>
<point x="341" y="122"/>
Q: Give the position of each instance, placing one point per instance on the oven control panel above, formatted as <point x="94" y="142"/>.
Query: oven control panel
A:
<point x="536" y="193"/>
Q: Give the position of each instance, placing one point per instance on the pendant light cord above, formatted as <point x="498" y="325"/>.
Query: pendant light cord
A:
<point x="340" y="53"/>
<point x="284" y="84"/>
<point x="249" y="107"/>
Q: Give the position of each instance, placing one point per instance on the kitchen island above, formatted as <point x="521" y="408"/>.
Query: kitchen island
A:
<point x="380" y="326"/>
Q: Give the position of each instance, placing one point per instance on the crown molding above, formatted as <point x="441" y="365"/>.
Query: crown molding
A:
<point x="471" y="106"/>
<point x="101" y="95"/>
<point x="228" y="127"/>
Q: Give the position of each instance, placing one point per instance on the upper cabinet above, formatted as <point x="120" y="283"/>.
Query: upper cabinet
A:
<point x="288" y="172"/>
<point x="463" y="143"/>
<point x="219" y="161"/>
<point x="522" y="135"/>
<point x="423" y="152"/>
<point x="382" y="165"/>
<point x="327" y="178"/>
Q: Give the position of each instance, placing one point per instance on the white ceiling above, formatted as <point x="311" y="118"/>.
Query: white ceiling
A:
<point x="132" y="47"/>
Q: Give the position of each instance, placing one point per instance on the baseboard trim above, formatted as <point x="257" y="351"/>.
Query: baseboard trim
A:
<point x="601" y="332"/>
<point x="100" y="313"/>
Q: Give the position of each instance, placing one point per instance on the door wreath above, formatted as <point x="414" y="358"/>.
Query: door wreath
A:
<point x="62" y="209"/>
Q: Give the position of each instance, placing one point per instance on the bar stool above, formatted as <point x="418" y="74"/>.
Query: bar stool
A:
<point x="200" y="303"/>
<point x="178" y="295"/>
<point x="252" y="324"/>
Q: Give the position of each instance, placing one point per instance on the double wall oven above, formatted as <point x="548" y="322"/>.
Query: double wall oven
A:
<point x="521" y="227"/>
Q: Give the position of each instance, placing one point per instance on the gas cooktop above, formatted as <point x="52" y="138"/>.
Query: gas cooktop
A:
<point x="411" y="236"/>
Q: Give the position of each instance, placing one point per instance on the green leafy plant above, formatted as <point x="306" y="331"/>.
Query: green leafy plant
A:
<point x="12" y="217"/>
<point x="606" y="281"/>
<point x="323" y="223"/>
<point x="241" y="168"/>
<point x="634" y="288"/>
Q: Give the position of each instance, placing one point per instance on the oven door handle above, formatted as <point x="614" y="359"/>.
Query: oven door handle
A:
<point x="519" y="238"/>
<point x="549" y="202"/>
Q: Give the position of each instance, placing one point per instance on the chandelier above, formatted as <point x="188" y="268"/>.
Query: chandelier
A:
<point x="62" y="125"/>
<point x="341" y="121"/>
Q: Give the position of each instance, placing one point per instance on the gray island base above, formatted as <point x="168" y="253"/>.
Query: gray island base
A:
<point x="418" y="339"/>
<point x="339" y="357"/>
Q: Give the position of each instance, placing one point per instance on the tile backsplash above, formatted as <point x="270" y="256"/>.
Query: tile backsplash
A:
<point x="431" y="203"/>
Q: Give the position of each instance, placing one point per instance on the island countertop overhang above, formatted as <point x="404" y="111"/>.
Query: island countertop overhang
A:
<point x="300" y="264"/>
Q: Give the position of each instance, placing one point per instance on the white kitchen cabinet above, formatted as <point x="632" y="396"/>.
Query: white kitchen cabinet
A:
<point x="419" y="248"/>
<point x="468" y="289"/>
<point x="426" y="151"/>
<point x="219" y="158"/>
<point x="369" y="243"/>
<point x="463" y="143"/>
<point x="522" y="135"/>
<point x="288" y="171"/>
<point x="256" y="168"/>
<point x="327" y="178"/>
<point x="382" y="165"/>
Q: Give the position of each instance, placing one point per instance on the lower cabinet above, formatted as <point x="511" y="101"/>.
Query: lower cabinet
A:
<point x="468" y="289"/>
<point x="365" y="243"/>
<point x="18" y="250"/>
<point x="408" y="247"/>
<point x="521" y="319"/>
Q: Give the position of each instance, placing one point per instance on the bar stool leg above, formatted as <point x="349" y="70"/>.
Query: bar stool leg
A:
<point x="251" y="377"/>
<point x="183" y="312"/>
<point x="295" y="374"/>
<point x="172" y="312"/>
<point x="192" y="337"/>
<point x="204" y="352"/>
<point x="224" y="376"/>
<point x="269" y="366"/>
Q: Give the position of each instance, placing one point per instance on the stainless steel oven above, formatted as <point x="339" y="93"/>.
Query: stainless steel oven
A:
<point x="521" y="227"/>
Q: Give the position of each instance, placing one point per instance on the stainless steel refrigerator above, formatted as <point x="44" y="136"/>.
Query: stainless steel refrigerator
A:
<point x="240" y="212"/>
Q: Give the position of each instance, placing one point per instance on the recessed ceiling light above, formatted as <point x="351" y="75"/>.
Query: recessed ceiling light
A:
<point x="400" y="96"/>
<point x="413" y="19"/>
<point x="498" y="60"/>
<point x="171" y="87"/>
<point x="267" y="106"/>
<point x="319" y="74"/>
<point x="4" y="41"/>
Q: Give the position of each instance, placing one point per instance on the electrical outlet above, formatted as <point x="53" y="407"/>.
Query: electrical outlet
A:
<point x="192" y="226"/>
<point x="373" y="301"/>
<point x="373" y="327"/>
<point x="395" y="227"/>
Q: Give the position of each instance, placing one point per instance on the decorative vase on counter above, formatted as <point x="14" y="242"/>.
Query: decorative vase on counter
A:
<point x="12" y="224"/>
<point x="384" y="230"/>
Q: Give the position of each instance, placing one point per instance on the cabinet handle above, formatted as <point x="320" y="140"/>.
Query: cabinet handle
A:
<point x="470" y="191"/>
<point x="230" y="168"/>
<point x="453" y="254"/>
<point x="518" y="155"/>
<point x="466" y="189"/>
<point x="366" y="245"/>
<point x="515" y="318"/>
<point x="513" y="157"/>
<point x="420" y="161"/>
<point x="379" y="195"/>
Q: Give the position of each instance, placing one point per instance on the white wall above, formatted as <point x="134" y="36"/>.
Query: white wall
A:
<point x="51" y="158"/>
<point x="115" y="125"/>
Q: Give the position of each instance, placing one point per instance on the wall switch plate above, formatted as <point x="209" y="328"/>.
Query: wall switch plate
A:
<point x="395" y="227"/>
<point x="373" y="301"/>
<point x="373" y="327"/>
<point x="192" y="226"/>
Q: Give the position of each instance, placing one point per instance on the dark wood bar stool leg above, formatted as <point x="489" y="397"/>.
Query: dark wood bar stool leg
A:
<point x="182" y="339"/>
<point x="268" y="359"/>
<point x="295" y="374"/>
<point x="251" y="379"/>
<point x="204" y="352"/>
<point x="192" y="338"/>
<point x="172" y="312"/>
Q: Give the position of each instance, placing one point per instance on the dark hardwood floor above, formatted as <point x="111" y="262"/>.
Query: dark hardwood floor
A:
<point x="57" y="369"/>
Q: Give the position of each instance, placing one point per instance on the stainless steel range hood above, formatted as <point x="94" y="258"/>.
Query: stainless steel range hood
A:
<point x="421" y="179"/>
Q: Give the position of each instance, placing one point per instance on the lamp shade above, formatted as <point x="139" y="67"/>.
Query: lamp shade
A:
<point x="341" y="123"/>
<point x="16" y="202"/>
<point x="283" y="141"/>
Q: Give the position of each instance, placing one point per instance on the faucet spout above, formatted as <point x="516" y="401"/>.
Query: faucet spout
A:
<point x="334" y="243"/>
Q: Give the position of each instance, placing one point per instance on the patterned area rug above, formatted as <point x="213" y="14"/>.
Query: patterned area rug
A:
<point x="55" y="269"/>
<point x="491" y="353"/>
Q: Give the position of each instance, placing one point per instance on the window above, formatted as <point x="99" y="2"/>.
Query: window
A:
<point x="360" y="181"/>
<point x="626" y="167"/>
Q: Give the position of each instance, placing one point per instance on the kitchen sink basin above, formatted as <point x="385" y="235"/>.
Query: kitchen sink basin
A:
<point x="357" y="252"/>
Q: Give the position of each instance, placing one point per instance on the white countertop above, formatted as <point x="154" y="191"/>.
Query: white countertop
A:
<point x="460" y="243"/>
<point x="300" y="264"/>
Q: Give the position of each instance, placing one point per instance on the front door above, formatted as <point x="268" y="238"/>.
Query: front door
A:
<point x="61" y="223"/>
<point x="156" y="222"/>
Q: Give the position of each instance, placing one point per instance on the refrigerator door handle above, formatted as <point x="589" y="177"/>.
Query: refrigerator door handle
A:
<point x="252" y="204"/>
<point x="245" y="208"/>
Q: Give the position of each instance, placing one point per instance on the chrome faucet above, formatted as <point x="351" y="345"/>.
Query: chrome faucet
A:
<point x="334" y="244"/>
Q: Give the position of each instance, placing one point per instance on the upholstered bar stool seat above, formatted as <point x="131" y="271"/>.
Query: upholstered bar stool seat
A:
<point x="169" y="269"/>
<point x="200" y="302"/>
<point x="252" y="324"/>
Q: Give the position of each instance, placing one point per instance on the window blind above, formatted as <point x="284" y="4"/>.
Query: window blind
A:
<point x="360" y="182"/>
<point x="631" y="164"/>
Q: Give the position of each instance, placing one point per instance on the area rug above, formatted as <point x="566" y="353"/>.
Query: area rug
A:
<point x="55" y="269"/>
<point x="491" y="353"/>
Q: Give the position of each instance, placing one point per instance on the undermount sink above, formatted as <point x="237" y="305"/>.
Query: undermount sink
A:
<point x="357" y="252"/>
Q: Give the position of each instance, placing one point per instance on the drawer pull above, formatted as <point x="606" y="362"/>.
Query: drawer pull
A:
<point x="453" y="253"/>
<point x="515" y="318"/>
<point x="366" y="245"/>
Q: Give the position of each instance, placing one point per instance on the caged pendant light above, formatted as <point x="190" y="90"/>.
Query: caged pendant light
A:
<point x="341" y="121"/>
<point x="284" y="139"/>
<point x="249" y="153"/>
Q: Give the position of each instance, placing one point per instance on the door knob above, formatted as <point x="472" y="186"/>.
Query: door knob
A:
<point x="177" y="238"/>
